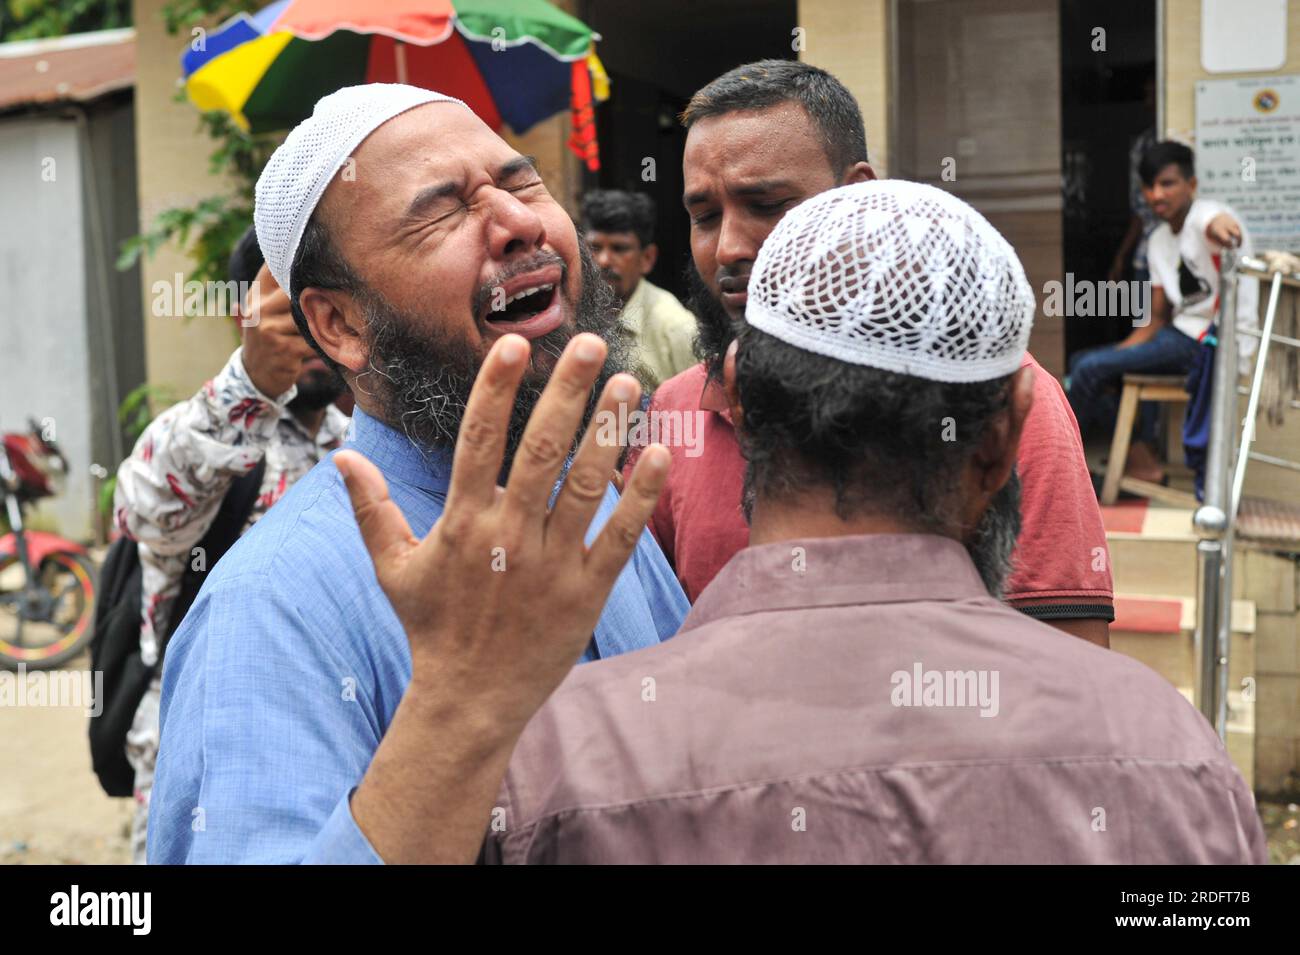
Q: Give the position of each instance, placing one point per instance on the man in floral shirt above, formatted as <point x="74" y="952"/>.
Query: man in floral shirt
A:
<point x="272" y="400"/>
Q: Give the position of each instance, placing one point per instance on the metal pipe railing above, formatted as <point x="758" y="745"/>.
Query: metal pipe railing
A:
<point x="1277" y="339"/>
<point x="1216" y="519"/>
<point x="1255" y="267"/>
<point x="1276" y="462"/>
<point x="1212" y="519"/>
<point x="1252" y="405"/>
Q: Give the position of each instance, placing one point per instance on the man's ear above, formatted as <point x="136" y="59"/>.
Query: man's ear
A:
<point x="335" y="322"/>
<point x="859" y="172"/>
<point x="996" y="455"/>
<point x="649" y="256"/>
<point x="730" y="387"/>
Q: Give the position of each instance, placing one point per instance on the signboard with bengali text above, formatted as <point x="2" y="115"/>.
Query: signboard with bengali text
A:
<point x="1248" y="153"/>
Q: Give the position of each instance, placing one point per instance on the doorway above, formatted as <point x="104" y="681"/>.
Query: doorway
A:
<point x="1107" y="103"/>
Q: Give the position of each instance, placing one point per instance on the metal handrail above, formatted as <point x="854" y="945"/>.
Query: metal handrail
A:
<point x="1276" y="462"/>
<point x="1215" y="520"/>
<point x="1211" y="519"/>
<point x="1256" y="387"/>
<point x="1257" y="268"/>
<point x="1277" y="339"/>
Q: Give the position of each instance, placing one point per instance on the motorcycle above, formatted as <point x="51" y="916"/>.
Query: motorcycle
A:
<point x="47" y="583"/>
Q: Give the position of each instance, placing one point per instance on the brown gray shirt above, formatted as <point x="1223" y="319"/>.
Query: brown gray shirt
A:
<point x="863" y="699"/>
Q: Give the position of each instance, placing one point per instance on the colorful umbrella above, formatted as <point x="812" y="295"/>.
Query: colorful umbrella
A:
<point x="514" y="62"/>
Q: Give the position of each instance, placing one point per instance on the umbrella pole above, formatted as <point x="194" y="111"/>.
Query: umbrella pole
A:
<point x="399" y="56"/>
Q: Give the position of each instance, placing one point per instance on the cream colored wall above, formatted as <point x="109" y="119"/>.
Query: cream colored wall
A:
<point x="1182" y="59"/>
<point x="850" y="38"/>
<point x="1182" y="62"/>
<point x="1268" y="579"/>
<point x="172" y="162"/>
<point x="171" y="168"/>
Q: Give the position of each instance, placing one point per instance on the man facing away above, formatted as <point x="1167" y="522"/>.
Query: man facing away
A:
<point x="272" y="402"/>
<point x="1183" y="257"/>
<point x="761" y="139"/>
<point x="620" y="227"/>
<point x="808" y="712"/>
<point x="289" y="673"/>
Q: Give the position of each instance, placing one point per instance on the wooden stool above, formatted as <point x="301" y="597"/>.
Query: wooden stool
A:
<point x="1137" y="388"/>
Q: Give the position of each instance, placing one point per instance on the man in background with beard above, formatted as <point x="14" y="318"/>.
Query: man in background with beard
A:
<point x="271" y="404"/>
<point x="410" y="237"/>
<point x="847" y="689"/>
<point x="761" y="139"/>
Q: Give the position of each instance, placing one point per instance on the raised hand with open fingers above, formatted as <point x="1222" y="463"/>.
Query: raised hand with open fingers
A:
<point x="502" y="596"/>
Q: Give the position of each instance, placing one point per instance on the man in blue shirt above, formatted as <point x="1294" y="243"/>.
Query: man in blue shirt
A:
<point x="410" y="238"/>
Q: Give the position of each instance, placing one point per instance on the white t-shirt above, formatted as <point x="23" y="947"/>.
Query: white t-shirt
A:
<point x="1186" y="266"/>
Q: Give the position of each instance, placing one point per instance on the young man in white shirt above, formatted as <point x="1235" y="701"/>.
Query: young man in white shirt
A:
<point x="1183" y="256"/>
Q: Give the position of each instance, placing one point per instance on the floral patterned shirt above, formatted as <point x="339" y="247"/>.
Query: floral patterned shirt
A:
<point x="170" y="489"/>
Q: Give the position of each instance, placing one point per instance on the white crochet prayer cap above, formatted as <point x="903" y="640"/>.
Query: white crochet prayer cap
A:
<point x="894" y="275"/>
<point x="300" y="170"/>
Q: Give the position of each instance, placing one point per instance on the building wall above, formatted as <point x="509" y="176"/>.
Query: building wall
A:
<point x="114" y="329"/>
<point x="45" y="363"/>
<point x="171" y="170"/>
<point x="1182" y="57"/>
<point x="1182" y="62"/>
<point x="851" y="39"/>
<point x="1268" y="579"/>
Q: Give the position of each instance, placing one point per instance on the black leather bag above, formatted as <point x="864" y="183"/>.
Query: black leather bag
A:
<point x="115" y="645"/>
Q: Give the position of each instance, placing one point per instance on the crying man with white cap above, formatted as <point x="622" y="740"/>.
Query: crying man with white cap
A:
<point x="848" y="689"/>
<point x="410" y="238"/>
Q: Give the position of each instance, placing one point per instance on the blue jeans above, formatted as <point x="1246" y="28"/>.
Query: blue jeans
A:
<point x="1097" y="373"/>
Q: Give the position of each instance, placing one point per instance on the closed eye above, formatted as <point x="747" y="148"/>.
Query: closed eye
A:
<point x="524" y="186"/>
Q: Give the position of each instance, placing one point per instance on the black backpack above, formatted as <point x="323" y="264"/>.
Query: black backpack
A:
<point x="115" y="645"/>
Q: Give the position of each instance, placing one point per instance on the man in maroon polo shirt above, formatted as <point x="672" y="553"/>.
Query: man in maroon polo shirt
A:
<point x="763" y="138"/>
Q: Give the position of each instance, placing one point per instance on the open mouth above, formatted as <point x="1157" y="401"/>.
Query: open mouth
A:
<point x="734" y="291"/>
<point x="735" y="302"/>
<point x="530" y="307"/>
<point x="525" y="304"/>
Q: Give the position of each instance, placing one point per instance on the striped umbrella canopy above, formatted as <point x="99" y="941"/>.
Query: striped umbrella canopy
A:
<point x="514" y="62"/>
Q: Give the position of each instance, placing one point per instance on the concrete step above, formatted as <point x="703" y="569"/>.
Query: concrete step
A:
<point x="1146" y="564"/>
<point x="1159" y="630"/>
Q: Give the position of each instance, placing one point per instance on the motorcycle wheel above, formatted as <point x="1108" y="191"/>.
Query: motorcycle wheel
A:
<point x="67" y="584"/>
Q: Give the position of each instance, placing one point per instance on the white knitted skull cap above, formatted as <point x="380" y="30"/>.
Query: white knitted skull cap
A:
<point x="302" y="167"/>
<point x="895" y="275"/>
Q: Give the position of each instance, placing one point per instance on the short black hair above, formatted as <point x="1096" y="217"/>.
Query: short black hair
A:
<point x="878" y="438"/>
<point x="319" y="264"/>
<point x="616" y="210"/>
<point x="766" y="83"/>
<point x="246" y="257"/>
<point x="1166" y="153"/>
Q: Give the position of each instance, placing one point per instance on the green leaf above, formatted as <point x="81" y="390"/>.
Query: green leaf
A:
<point x="106" y="491"/>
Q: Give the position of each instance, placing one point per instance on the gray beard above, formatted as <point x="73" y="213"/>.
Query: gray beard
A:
<point x="422" y="377"/>
<point x="994" y="541"/>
